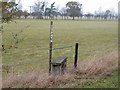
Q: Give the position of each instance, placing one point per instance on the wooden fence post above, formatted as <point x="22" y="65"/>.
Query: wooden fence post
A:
<point x="76" y="55"/>
<point x="50" y="50"/>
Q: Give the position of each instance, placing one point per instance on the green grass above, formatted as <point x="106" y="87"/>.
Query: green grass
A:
<point x="104" y="82"/>
<point x="96" y="82"/>
<point x="95" y="38"/>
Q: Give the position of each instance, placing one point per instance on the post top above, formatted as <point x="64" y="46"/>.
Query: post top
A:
<point x="51" y="22"/>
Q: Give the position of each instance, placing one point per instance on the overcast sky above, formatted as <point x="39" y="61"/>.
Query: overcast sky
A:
<point x="88" y="5"/>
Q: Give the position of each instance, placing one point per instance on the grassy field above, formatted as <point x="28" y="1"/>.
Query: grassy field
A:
<point x="95" y="38"/>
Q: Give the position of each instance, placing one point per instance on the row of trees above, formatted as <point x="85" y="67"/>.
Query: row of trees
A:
<point x="20" y="13"/>
<point x="41" y="10"/>
<point x="44" y="10"/>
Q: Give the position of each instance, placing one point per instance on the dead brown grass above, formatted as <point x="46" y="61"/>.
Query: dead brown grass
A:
<point x="34" y="80"/>
<point x="102" y="66"/>
<point x="99" y="66"/>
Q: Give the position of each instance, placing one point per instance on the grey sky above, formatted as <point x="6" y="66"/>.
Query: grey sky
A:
<point x="88" y="5"/>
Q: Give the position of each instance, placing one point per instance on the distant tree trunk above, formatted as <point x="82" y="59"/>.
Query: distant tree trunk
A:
<point x="81" y="17"/>
<point x="52" y="17"/>
<point x="19" y="17"/>
<point x="25" y="16"/>
<point x="110" y="16"/>
<point x="45" y="17"/>
<point x="67" y="17"/>
<point x="73" y="17"/>
<point x="56" y="17"/>
<point x="49" y="17"/>
<point x="62" y="17"/>
<point x="105" y="18"/>
<point x="33" y="17"/>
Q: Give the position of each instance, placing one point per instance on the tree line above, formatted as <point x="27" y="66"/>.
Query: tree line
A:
<point x="73" y="10"/>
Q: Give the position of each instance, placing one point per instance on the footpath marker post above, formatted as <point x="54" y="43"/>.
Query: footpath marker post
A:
<point x="50" y="50"/>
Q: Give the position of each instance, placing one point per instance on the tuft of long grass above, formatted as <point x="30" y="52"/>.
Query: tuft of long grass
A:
<point x="34" y="80"/>
<point x="99" y="66"/>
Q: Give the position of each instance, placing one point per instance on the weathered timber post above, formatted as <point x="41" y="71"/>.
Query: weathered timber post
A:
<point x="76" y="55"/>
<point x="50" y="50"/>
